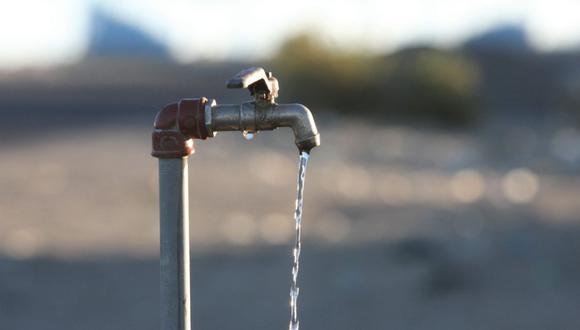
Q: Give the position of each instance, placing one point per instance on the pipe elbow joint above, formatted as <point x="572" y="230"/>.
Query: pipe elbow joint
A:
<point x="300" y="119"/>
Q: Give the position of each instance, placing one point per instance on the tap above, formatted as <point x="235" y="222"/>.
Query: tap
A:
<point x="175" y="128"/>
<point x="202" y="118"/>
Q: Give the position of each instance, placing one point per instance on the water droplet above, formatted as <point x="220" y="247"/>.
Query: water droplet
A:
<point x="248" y="135"/>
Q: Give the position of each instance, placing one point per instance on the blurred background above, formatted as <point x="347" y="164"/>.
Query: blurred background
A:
<point x="445" y="194"/>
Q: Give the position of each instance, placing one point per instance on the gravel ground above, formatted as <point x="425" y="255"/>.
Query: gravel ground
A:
<point x="405" y="228"/>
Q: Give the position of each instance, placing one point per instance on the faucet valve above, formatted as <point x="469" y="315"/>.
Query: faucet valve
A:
<point x="262" y="85"/>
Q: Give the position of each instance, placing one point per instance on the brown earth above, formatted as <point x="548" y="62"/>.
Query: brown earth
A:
<point x="404" y="229"/>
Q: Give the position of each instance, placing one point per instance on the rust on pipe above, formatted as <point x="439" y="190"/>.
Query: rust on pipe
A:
<point x="191" y="118"/>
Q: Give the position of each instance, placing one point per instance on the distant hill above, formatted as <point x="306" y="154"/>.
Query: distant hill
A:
<point x="111" y="37"/>
<point x="505" y="38"/>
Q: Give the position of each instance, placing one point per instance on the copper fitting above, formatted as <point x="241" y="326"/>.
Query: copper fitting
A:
<point x="175" y="127"/>
<point x="191" y="118"/>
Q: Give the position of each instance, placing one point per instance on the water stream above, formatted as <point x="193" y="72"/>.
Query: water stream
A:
<point x="294" y="290"/>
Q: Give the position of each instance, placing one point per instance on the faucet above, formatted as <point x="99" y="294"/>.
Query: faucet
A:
<point x="175" y="128"/>
<point x="177" y="123"/>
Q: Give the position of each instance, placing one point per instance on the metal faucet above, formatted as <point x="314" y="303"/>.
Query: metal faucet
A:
<point x="175" y="128"/>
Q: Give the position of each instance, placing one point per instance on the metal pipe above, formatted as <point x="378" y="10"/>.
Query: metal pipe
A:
<point x="174" y="244"/>
<point x="253" y="117"/>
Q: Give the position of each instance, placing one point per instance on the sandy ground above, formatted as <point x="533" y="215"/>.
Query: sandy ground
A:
<point x="404" y="229"/>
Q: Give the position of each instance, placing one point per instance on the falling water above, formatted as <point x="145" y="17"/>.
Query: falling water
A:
<point x="294" y="290"/>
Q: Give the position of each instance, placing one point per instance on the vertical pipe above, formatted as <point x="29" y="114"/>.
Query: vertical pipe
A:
<point x="174" y="242"/>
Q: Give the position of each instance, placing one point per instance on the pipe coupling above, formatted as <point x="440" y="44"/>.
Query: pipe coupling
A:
<point x="176" y="125"/>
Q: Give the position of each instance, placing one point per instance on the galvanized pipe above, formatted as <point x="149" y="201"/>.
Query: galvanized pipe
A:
<point x="174" y="242"/>
<point x="254" y="117"/>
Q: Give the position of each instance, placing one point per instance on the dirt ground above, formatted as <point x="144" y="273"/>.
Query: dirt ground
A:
<point x="405" y="228"/>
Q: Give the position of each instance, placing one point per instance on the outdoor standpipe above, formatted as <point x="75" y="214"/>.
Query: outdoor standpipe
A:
<point x="176" y="125"/>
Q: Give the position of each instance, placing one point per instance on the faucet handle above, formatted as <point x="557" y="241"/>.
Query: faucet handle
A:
<point x="261" y="84"/>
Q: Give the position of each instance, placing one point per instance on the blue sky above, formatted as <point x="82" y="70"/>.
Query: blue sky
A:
<point x="43" y="33"/>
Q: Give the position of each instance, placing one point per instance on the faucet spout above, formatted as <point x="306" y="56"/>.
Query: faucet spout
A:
<point x="254" y="117"/>
<point x="300" y="119"/>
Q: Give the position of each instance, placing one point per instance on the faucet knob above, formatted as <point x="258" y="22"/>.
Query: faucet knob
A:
<point x="261" y="84"/>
